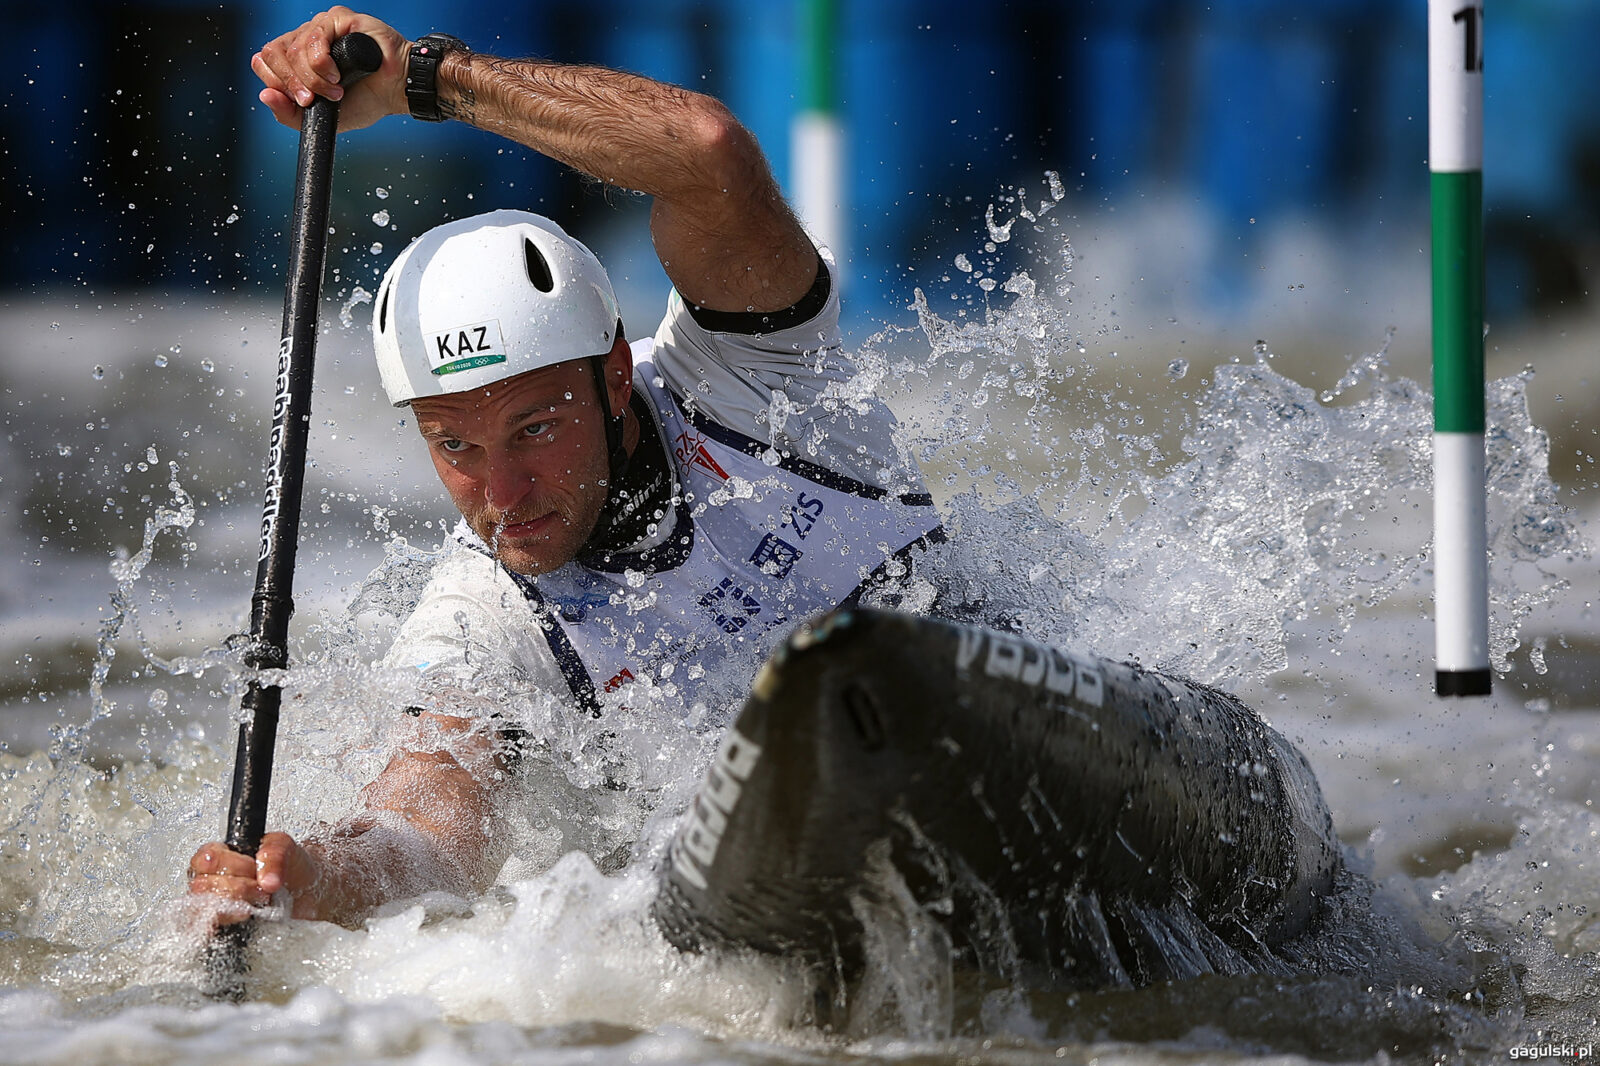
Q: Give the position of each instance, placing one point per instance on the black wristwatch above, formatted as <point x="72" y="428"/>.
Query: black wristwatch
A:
<point x="422" y="74"/>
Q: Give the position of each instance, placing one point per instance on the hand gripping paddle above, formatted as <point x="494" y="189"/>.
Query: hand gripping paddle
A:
<point x="357" y="56"/>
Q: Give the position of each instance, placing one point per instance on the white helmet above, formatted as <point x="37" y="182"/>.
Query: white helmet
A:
<point x="482" y="299"/>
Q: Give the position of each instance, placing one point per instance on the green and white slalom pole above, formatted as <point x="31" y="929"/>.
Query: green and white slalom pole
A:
<point x="1455" y="160"/>
<point x="816" y="136"/>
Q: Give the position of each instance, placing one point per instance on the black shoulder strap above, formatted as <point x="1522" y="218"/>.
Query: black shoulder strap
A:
<point x="566" y="656"/>
<point x="904" y="560"/>
<point x="828" y="479"/>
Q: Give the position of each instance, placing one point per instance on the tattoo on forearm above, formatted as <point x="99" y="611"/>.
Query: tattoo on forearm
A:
<point x="461" y="106"/>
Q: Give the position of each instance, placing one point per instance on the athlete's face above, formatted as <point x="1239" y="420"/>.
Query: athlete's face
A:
<point x="525" y="459"/>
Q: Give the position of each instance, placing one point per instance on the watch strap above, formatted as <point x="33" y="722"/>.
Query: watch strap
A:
<point x="422" y="74"/>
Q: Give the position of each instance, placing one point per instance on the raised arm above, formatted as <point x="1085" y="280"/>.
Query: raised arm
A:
<point x="721" y="227"/>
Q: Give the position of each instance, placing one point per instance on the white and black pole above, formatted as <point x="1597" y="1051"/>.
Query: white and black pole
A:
<point x="1455" y="162"/>
<point x="816" y="136"/>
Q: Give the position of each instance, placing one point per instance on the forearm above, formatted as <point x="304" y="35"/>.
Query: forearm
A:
<point x="363" y="863"/>
<point x="624" y="129"/>
<point x="427" y="824"/>
<point x="721" y="227"/>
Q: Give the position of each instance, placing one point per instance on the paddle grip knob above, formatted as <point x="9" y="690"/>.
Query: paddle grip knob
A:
<point x="357" y="55"/>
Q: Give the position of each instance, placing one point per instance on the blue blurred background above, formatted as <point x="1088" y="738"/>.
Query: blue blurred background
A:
<point x="136" y="154"/>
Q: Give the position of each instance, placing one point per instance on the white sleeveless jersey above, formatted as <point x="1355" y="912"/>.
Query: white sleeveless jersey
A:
<point x="757" y="540"/>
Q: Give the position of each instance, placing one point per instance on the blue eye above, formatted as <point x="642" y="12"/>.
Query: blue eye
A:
<point x="454" y="445"/>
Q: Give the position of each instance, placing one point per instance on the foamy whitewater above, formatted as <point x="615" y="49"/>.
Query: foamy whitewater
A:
<point x="1229" y="524"/>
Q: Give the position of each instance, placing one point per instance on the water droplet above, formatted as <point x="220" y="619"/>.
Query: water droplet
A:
<point x="358" y="295"/>
<point x="150" y="455"/>
<point x="161" y="360"/>
<point x="158" y="699"/>
<point x="377" y="248"/>
<point x="98" y="373"/>
<point x="380" y="218"/>
<point x="1020" y="284"/>
<point x="207" y="365"/>
<point x="1177" y="369"/>
<point x="381" y="193"/>
<point x="998" y="233"/>
<point x="233" y="216"/>
<point x="63" y="449"/>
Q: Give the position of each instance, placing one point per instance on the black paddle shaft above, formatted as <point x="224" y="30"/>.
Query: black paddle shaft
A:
<point x="273" y="602"/>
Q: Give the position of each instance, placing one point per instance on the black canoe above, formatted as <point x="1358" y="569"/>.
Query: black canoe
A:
<point x="1091" y="820"/>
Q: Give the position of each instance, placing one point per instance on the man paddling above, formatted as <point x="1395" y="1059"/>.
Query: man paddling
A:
<point x="627" y="508"/>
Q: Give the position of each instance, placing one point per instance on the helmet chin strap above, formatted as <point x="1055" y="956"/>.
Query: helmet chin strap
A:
<point x="616" y="452"/>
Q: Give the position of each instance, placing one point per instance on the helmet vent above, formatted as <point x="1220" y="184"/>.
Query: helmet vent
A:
<point x="538" y="269"/>
<point x="383" y="309"/>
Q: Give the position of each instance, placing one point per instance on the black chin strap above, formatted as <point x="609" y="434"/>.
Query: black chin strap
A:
<point x="637" y="502"/>
<point x="616" y="451"/>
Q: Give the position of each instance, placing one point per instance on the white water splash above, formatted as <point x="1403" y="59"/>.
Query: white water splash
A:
<point x="1263" y="507"/>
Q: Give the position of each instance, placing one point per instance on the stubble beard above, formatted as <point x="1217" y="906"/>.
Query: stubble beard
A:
<point x="575" y="520"/>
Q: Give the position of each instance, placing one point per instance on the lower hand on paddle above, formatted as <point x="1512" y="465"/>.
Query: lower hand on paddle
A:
<point x="424" y="823"/>
<point x="280" y="863"/>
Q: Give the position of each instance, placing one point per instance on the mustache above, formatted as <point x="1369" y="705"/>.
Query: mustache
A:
<point x="494" y="520"/>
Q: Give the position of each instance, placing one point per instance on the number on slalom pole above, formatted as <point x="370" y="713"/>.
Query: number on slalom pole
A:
<point x="1471" y="19"/>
